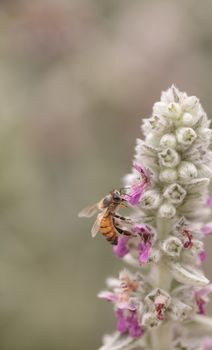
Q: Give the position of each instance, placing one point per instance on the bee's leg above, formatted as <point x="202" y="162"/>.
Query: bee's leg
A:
<point x="123" y="218"/>
<point x="123" y="232"/>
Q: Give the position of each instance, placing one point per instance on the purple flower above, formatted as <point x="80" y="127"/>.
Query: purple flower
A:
<point x="207" y="229"/>
<point x="202" y="256"/>
<point x="144" y="252"/>
<point x="121" y="249"/>
<point x="121" y="321"/>
<point x="145" y="244"/>
<point x="134" y="329"/>
<point x="109" y="296"/>
<point x="206" y="343"/>
<point x="209" y="202"/>
<point x="127" y="321"/>
<point x="139" y="187"/>
<point x="201" y="298"/>
<point x="122" y="300"/>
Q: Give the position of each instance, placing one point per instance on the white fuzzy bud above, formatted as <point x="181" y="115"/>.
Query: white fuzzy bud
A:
<point x="172" y="246"/>
<point x="168" y="175"/>
<point x="171" y="95"/>
<point x="169" y="158"/>
<point x="160" y="108"/>
<point x="157" y="123"/>
<point x="187" y="171"/>
<point x="174" y="111"/>
<point x="156" y="296"/>
<point x="188" y="119"/>
<point x="175" y="193"/>
<point x="191" y="104"/>
<point x="167" y="210"/>
<point x="168" y="141"/>
<point x="205" y="134"/>
<point x="185" y="136"/>
<point x="150" y="200"/>
<point x="150" y="320"/>
<point x="152" y="139"/>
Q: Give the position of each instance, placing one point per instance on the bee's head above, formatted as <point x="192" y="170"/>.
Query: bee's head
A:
<point x="116" y="196"/>
<point x="113" y="199"/>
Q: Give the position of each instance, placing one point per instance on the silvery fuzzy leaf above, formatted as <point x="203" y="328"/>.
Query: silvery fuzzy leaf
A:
<point x="143" y="149"/>
<point x="200" y="324"/>
<point x="205" y="134"/>
<point x="183" y="292"/>
<point x="188" y="274"/>
<point x="186" y="344"/>
<point x="179" y="310"/>
<point x="147" y="155"/>
<point x="121" y="342"/>
<point x="199" y="214"/>
<point x="171" y="95"/>
<point x="193" y="208"/>
<point x="202" y="121"/>
<point x="205" y="171"/>
<point x="197" y="154"/>
<point x="197" y="185"/>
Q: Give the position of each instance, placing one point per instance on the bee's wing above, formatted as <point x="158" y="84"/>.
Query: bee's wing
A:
<point x="88" y="211"/>
<point x="96" y="225"/>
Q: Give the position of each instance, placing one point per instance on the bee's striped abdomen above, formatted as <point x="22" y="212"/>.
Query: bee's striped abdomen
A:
<point x="108" y="230"/>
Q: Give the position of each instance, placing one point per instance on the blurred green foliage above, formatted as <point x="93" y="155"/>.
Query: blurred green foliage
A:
<point x="76" y="78"/>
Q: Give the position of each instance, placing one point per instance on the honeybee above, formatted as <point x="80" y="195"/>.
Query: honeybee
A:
<point x="107" y="220"/>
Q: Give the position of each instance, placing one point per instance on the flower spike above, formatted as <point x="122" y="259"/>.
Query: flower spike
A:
<point x="158" y="305"/>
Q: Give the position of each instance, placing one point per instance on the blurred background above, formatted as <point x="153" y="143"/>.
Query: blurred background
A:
<point x="76" y="77"/>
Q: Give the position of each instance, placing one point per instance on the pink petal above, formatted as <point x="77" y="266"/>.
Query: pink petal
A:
<point x="207" y="229"/>
<point x="134" y="329"/>
<point x="207" y="343"/>
<point x="109" y="296"/>
<point x="138" y="188"/>
<point x="121" y="249"/>
<point x="209" y="202"/>
<point x="202" y="256"/>
<point x="201" y="298"/>
<point x="140" y="229"/>
<point x="121" y="321"/>
<point x="142" y="171"/>
<point x="136" y="193"/>
<point x="144" y="252"/>
<point x="202" y="292"/>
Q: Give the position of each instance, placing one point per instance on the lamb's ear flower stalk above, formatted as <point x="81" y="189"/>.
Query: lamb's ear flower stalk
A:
<point x="158" y="306"/>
